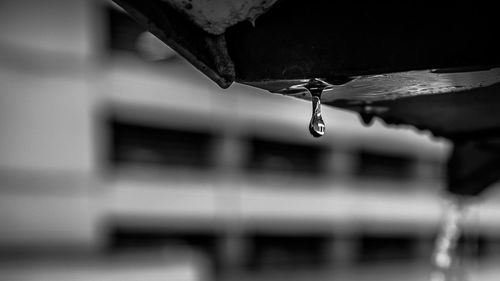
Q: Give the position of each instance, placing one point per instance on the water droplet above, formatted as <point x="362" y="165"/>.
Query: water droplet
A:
<point x="445" y="257"/>
<point x="315" y="88"/>
<point x="366" y="118"/>
<point x="316" y="125"/>
<point x="366" y="115"/>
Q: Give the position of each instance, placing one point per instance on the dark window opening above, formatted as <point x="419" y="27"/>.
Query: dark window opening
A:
<point x="377" y="164"/>
<point x="474" y="246"/>
<point x="288" y="251"/>
<point x="285" y="158"/>
<point x="387" y="248"/>
<point x="152" y="146"/>
<point x="124" y="239"/>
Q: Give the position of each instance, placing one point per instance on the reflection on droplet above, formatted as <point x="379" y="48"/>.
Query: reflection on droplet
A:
<point x="316" y="125"/>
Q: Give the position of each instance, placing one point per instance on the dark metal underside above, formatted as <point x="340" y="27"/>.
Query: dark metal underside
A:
<point x="427" y="64"/>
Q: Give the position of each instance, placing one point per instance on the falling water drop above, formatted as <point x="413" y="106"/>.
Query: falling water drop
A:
<point x="315" y="88"/>
<point x="445" y="258"/>
<point x="316" y="125"/>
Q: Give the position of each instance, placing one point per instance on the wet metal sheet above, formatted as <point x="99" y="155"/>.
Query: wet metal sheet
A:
<point x="391" y="86"/>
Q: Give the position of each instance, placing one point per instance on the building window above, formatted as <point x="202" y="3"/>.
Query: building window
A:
<point x="381" y="165"/>
<point x="154" y="146"/>
<point x="285" y="158"/>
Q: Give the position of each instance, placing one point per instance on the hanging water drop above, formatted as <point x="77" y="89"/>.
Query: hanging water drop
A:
<point x="316" y="125"/>
<point x="366" y="116"/>
<point x="368" y="113"/>
<point x="316" y="87"/>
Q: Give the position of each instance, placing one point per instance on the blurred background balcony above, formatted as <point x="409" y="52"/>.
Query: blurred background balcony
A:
<point x="120" y="161"/>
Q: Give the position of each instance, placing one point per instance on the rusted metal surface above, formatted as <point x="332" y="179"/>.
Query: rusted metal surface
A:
<point x="207" y="52"/>
<point x="214" y="16"/>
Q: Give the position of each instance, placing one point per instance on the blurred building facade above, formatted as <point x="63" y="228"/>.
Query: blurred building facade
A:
<point x="109" y="142"/>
